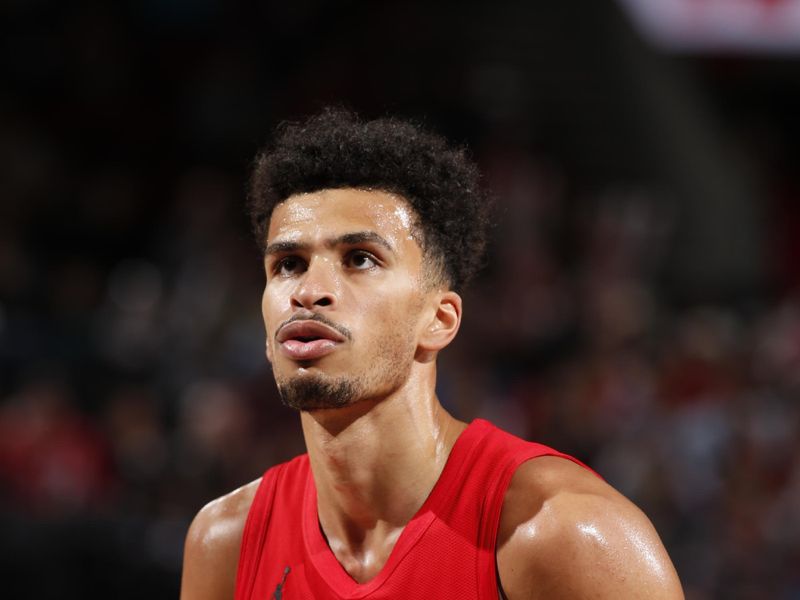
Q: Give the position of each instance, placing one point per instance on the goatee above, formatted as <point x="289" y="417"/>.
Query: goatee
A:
<point x="313" y="393"/>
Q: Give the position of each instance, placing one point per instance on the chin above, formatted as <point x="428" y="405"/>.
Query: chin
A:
<point x="311" y="390"/>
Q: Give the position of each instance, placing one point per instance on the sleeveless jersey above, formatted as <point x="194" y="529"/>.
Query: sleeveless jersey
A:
<point x="446" y="551"/>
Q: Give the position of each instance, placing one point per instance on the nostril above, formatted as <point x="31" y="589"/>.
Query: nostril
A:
<point x="324" y="301"/>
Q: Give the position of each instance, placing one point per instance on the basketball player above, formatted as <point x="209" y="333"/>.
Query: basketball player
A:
<point x="369" y="231"/>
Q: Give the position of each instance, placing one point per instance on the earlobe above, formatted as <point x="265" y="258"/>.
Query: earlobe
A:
<point x="442" y="328"/>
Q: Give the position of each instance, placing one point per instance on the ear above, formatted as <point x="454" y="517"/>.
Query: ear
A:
<point x="442" y="327"/>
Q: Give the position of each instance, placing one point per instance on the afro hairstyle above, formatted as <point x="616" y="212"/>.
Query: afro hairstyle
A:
<point x="337" y="149"/>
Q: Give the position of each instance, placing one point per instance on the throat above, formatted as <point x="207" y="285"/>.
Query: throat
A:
<point x="364" y="560"/>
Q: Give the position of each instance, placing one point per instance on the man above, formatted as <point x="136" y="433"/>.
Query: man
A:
<point x="369" y="230"/>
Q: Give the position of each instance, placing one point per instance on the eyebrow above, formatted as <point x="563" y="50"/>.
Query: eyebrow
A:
<point x="346" y="239"/>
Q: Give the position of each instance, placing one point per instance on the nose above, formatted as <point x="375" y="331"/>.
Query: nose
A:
<point x="317" y="288"/>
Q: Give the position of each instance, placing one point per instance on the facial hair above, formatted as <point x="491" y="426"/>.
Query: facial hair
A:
<point x="388" y="370"/>
<point x="313" y="392"/>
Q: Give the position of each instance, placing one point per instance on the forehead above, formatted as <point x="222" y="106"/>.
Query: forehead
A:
<point x="333" y="212"/>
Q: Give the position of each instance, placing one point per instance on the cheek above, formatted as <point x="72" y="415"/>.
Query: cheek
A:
<point x="265" y="317"/>
<point x="271" y="304"/>
<point x="265" y="307"/>
<point x="270" y="312"/>
<point x="394" y="315"/>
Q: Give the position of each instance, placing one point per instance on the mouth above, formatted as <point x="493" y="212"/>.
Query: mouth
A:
<point x="307" y="340"/>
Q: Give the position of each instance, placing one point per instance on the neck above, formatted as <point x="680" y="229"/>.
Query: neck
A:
<point x="374" y="464"/>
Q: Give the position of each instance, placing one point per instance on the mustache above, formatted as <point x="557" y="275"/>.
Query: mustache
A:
<point x="312" y="316"/>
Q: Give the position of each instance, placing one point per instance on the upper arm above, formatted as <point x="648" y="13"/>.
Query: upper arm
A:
<point x="564" y="533"/>
<point x="211" y="551"/>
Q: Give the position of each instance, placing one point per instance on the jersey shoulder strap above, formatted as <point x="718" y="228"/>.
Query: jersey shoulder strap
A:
<point x="258" y="518"/>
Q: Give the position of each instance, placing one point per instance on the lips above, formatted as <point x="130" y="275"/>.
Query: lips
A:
<point x="308" y="340"/>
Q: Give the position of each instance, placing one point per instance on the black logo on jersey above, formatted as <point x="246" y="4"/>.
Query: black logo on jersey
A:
<point x="278" y="593"/>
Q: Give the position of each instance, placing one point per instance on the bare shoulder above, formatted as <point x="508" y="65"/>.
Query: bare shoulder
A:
<point x="565" y="533"/>
<point x="211" y="552"/>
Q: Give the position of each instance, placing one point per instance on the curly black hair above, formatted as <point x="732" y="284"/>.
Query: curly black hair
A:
<point x="338" y="149"/>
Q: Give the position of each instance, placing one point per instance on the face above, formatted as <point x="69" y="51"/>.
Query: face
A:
<point x="345" y="296"/>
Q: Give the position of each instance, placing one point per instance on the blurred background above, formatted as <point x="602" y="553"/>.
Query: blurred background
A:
<point x="640" y="309"/>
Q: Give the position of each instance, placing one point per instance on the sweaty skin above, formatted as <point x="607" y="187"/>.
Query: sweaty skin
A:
<point x="351" y="256"/>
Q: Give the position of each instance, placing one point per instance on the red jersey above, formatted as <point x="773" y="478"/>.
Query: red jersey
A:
<point x="446" y="551"/>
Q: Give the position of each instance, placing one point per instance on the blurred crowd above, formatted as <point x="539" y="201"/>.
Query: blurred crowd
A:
<point x="133" y="382"/>
<point x="135" y="391"/>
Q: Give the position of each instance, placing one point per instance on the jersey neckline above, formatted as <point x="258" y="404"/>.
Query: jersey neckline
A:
<point x="322" y="557"/>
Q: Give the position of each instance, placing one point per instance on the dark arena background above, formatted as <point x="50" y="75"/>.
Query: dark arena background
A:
<point x="639" y="310"/>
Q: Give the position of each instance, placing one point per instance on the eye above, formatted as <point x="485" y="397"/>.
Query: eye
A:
<point x="288" y="266"/>
<point x="361" y="260"/>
